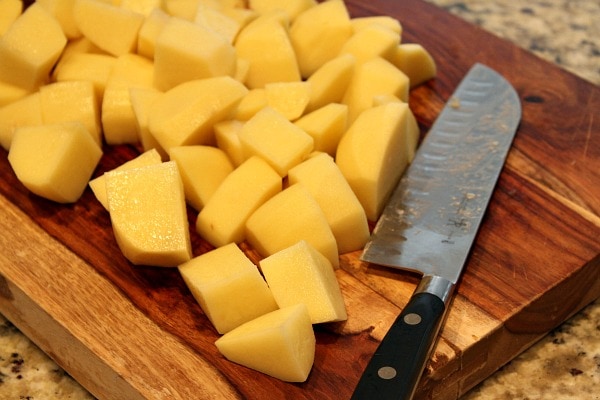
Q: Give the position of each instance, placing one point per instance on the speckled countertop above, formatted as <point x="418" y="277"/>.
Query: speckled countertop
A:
<point x="566" y="363"/>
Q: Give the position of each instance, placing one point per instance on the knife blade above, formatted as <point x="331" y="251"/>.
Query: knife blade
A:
<point x="431" y="221"/>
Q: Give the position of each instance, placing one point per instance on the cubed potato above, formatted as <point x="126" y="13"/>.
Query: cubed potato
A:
<point x="186" y="51"/>
<point x="98" y="184"/>
<point x="326" y="126"/>
<point x="303" y="219"/>
<point x="292" y="7"/>
<point x="30" y="48"/>
<point x="185" y="115"/>
<point x="344" y="213"/>
<point x="108" y="26"/>
<point x="72" y="101"/>
<point x="223" y="218"/>
<point x="416" y="62"/>
<point x="9" y="12"/>
<point x="299" y="274"/>
<point x="359" y="23"/>
<point x="203" y="169"/>
<point x="227" y="136"/>
<point x="373" y="154"/>
<point x="219" y="22"/>
<point x="149" y="31"/>
<point x="54" y="161"/>
<point x="271" y="136"/>
<point x="62" y="10"/>
<point x="185" y="9"/>
<point x="27" y="111"/>
<point x="254" y="101"/>
<point x="95" y="68"/>
<point x="80" y="45"/>
<point x="319" y="33"/>
<point x="329" y="82"/>
<point x="267" y="33"/>
<point x="371" y="78"/>
<point x="372" y="41"/>
<point x="288" y="98"/>
<point x="228" y="287"/>
<point x="118" y="117"/>
<point x="280" y="344"/>
<point x="10" y="93"/>
<point x="148" y="214"/>
<point x="144" y="7"/>
<point x="142" y="101"/>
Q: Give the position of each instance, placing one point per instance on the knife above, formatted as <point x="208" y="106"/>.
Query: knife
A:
<point x="431" y="221"/>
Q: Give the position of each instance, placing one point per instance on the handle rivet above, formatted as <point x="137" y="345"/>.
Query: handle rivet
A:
<point x="386" y="372"/>
<point x="412" y="319"/>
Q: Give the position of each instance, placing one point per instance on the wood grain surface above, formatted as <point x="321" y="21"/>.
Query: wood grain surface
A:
<point x="128" y="332"/>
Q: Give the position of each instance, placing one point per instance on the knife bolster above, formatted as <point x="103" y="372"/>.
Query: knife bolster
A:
<point x="436" y="285"/>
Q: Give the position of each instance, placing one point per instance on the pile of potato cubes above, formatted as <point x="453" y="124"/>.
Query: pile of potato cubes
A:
<point x="285" y="125"/>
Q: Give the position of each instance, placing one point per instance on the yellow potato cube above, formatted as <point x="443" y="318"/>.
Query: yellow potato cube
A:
<point x="10" y="93"/>
<point x="223" y="218"/>
<point x="149" y="31"/>
<point x="292" y="7"/>
<point x="381" y="20"/>
<point x="299" y="274"/>
<point x="203" y="169"/>
<point x="142" y="101"/>
<point x="27" y="111"/>
<point x="187" y="51"/>
<point x="72" y="101"/>
<point x="80" y="45"/>
<point x="110" y="27"/>
<point x="30" y="47"/>
<point x="303" y="220"/>
<point x="267" y="33"/>
<point x="371" y="78"/>
<point x="288" y="98"/>
<point x="344" y="213"/>
<point x="218" y="22"/>
<point x="280" y="344"/>
<point x="254" y="101"/>
<point x="326" y="126"/>
<point x="227" y="136"/>
<point x="228" y="287"/>
<point x="9" y="12"/>
<point x="319" y="33"/>
<point x="271" y="136"/>
<point x="185" y="9"/>
<point x="144" y="7"/>
<point x="148" y="214"/>
<point x="185" y="115"/>
<point x="329" y="82"/>
<point x="62" y="10"/>
<point x="118" y="117"/>
<point x="54" y="161"/>
<point x="95" y="68"/>
<point x="372" y="41"/>
<point x="373" y="163"/>
<point x="98" y="185"/>
<point x="416" y="62"/>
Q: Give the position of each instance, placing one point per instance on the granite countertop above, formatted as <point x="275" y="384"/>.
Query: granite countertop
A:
<point x="563" y="365"/>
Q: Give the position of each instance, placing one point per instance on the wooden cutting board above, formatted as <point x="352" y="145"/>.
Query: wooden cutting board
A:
<point x="129" y="332"/>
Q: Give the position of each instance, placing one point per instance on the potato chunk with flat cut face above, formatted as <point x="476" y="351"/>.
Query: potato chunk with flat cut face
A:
<point x="280" y="344"/>
<point x="223" y="218"/>
<point x="269" y="135"/>
<point x="228" y="287"/>
<point x="54" y="161"/>
<point x="373" y="163"/>
<point x="344" y="213"/>
<point x="304" y="220"/>
<point x="148" y="214"/>
<point x="26" y="111"/>
<point x="30" y="47"/>
<point x="299" y="274"/>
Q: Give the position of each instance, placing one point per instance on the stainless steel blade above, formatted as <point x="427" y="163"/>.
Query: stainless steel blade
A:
<point x="433" y="215"/>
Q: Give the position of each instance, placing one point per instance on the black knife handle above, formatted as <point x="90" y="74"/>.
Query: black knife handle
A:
<point x="399" y="361"/>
